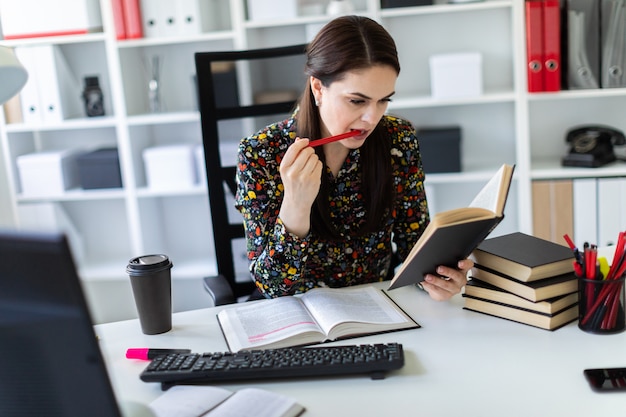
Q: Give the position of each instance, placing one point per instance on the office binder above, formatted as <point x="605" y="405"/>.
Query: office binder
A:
<point x="150" y="18"/>
<point x="59" y="88"/>
<point x="169" y="19"/>
<point x="551" y="45"/>
<point x="534" y="45"/>
<point x="611" y="211"/>
<point x="132" y="19"/>
<point x="583" y="44"/>
<point x="613" y="43"/>
<point x="118" y="19"/>
<point x="193" y="15"/>
<point x="47" y="76"/>
<point x="13" y="110"/>
<point x="165" y="18"/>
<point x="584" y="198"/>
<point x="160" y="18"/>
<point x="553" y="209"/>
<point x="52" y="92"/>
<point x="29" y="96"/>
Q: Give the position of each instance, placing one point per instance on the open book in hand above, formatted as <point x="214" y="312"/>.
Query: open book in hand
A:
<point x="452" y="235"/>
<point x="317" y="316"/>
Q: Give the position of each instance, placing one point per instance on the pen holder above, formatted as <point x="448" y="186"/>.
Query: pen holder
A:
<point x="601" y="305"/>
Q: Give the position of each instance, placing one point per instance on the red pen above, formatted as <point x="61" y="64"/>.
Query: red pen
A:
<point x="330" y="139"/>
<point x="578" y="269"/>
<point x="573" y="247"/>
<point x="604" y="293"/>
<point x="569" y="241"/>
<point x="590" y="261"/>
<point x="618" y="255"/>
<point x="613" y="304"/>
<point x="592" y="270"/>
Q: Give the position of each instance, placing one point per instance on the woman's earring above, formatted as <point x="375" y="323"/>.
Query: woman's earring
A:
<point x="317" y="102"/>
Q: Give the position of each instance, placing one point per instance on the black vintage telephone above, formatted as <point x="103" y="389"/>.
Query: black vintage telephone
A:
<point x="592" y="146"/>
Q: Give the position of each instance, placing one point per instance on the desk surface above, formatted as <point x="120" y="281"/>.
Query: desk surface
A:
<point x="458" y="362"/>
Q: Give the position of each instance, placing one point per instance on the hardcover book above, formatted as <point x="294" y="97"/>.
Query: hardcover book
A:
<point x="520" y="315"/>
<point x="317" y="316"/>
<point x="476" y="288"/>
<point x="525" y="257"/>
<point x="538" y="290"/>
<point x="452" y="235"/>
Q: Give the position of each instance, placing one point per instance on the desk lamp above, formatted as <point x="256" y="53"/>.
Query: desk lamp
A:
<point x="13" y="76"/>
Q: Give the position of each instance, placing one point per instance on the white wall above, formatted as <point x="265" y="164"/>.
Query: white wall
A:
<point x="113" y="300"/>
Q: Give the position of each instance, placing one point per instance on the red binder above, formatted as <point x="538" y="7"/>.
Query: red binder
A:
<point x="551" y="45"/>
<point x="132" y="19"/>
<point x="118" y="18"/>
<point x="534" y="45"/>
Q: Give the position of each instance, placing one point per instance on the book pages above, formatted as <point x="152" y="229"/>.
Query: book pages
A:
<point x="489" y="196"/>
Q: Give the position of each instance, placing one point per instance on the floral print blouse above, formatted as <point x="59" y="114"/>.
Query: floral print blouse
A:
<point x="282" y="263"/>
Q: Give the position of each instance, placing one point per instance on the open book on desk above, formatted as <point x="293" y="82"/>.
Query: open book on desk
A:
<point x="317" y="316"/>
<point x="208" y="401"/>
<point x="452" y="235"/>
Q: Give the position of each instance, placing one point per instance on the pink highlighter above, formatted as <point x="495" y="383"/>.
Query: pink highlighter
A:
<point x="147" y="354"/>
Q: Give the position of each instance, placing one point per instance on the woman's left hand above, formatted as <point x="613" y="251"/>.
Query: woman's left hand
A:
<point x="453" y="280"/>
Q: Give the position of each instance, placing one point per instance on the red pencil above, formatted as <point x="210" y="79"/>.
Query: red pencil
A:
<point x="569" y="241"/>
<point x="618" y="255"/>
<point x="329" y="139"/>
<point x="605" y="292"/>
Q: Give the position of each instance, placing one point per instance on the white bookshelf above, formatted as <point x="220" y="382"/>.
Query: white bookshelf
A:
<point x="504" y="125"/>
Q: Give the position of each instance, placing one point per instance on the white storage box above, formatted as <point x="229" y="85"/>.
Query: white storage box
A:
<point x="170" y="167"/>
<point x="48" y="173"/>
<point x="456" y="75"/>
<point x="36" y="18"/>
<point x="272" y="9"/>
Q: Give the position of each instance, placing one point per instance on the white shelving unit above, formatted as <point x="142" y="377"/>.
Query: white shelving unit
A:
<point x="504" y="125"/>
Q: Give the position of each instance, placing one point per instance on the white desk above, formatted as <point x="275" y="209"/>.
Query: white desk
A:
<point x="458" y="363"/>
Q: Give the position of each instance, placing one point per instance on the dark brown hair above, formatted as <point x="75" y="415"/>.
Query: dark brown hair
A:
<point x="345" y="44"/>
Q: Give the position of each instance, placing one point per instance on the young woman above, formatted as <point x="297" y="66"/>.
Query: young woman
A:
<point x="330" y="215"/>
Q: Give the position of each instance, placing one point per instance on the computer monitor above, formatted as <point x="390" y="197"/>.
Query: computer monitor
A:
<point x="50" y="361"/>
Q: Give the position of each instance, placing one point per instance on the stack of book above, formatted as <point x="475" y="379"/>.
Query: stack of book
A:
<point x="524" y="278"/>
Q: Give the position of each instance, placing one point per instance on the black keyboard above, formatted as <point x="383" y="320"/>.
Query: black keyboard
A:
<point x="298" y="362"/>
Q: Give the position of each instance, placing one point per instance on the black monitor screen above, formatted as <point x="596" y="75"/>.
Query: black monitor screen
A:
<point x="50" y="361"/>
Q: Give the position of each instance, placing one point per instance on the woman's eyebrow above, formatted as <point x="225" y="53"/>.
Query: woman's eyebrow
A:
<point x="363" y="96"/>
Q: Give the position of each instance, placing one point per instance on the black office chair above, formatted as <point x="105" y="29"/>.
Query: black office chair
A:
<point x="217" y="104"/>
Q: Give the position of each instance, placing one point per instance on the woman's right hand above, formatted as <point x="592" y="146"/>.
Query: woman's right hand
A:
<point x="301" y="174"/>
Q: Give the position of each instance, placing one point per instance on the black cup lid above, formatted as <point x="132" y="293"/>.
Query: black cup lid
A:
<point x="148" y="262"/>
